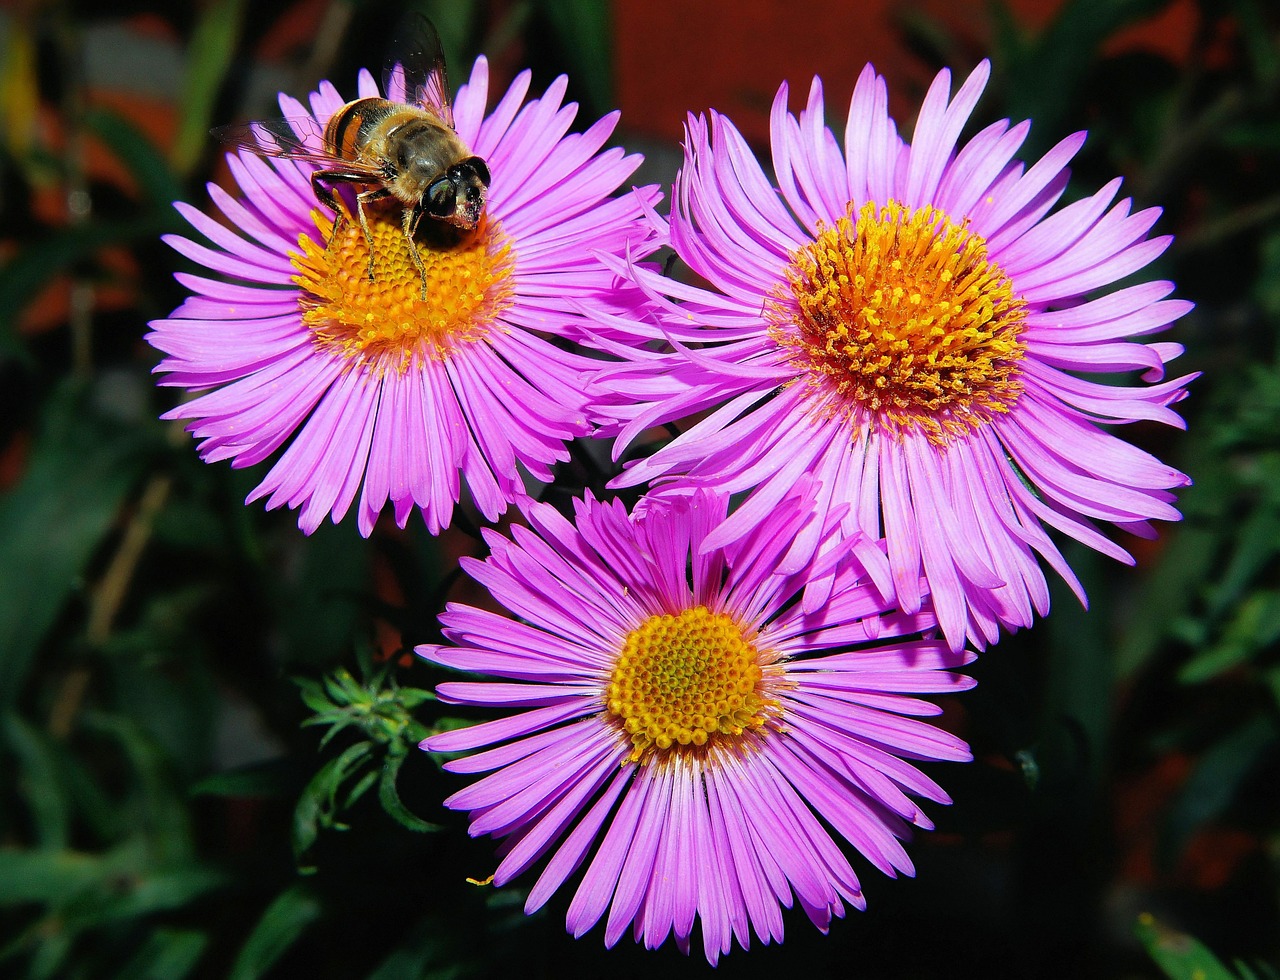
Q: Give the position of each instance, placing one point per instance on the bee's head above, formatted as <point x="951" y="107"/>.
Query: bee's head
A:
<point x="458" y="196"/>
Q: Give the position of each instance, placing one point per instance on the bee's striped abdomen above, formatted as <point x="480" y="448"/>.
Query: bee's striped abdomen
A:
<point x="348" y="129"/>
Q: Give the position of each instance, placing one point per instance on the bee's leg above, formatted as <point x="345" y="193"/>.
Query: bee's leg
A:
<point x="326" y="197"/>
<point x="325" y="194"/>
<point x="408" y="222"/>
<point x="363" y="198"/>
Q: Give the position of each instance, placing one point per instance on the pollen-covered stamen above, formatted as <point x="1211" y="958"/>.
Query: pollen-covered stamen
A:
<point x="386" y="321"/>
<point x="901" y="312"/>
<point x="687" y="681"/>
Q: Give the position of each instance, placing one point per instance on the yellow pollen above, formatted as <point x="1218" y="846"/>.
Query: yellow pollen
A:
<point x="900" y="313"/>
<point x="688" y="682"/>
<point x="387" y="322"/>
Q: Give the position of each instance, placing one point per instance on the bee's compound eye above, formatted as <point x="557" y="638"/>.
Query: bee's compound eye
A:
<point x="479" y="168"/>
<point x="440" y="199"/>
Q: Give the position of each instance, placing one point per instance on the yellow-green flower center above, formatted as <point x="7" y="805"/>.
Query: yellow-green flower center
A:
<point x="903" y="314"/>
<point x="389" y="321"/>
<point x="691" y="679"/>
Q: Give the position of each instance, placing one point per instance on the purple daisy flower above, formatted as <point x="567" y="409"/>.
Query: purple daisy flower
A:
<point x="910" y="325"/>
<point x="683" y="727"/>
<point x="384" y="387"/>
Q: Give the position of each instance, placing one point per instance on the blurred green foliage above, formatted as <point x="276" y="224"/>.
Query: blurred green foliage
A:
<point x="191" y="705"/>
<point x="382" y="711"/>
<point x="1182" y="957"/>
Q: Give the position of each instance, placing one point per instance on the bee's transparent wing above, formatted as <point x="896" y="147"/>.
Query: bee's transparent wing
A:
<point x="295" y="138"/>
<point x="416" y="72"/>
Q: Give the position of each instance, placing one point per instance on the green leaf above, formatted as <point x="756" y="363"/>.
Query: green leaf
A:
<point x="316" y="805"/>
<point x="167" y="954"/>
<point x="263" y="779"/>
<point x="1214" y="781"/>
<point x="89" y="889"/>
<point x="1258" y="39"/>
<point x="411" y="697"/>
<point x="389" y="797"/>
<point x="188" y="525"/>
<point x="161" y="805"/>
<point x="209" y="55"/>
<point x="1267" y="285"/>
<point x="54" y="519"/>
<point x="151" y="892"/>
<point x="313" y="695"/>
<point x="45" y="876"/>
<point x="1192" y="551"/>
<point x="139" y="155"/>
<point x="363" y="786"/>
<point x="1250" y="135"/>
<point x="1253" y="627"/>
<point x="172" y="699"/>
<point x="37" y="773"/>
<point x="96" y="809"/>
<point x="583" y="32"/>
<point x="1043" y="75"/>
<point x="1081" y="675"/>
<point x="279" y="928"/>
<point x="1271" y="677"/>
<point x="1256" y="541"/>
<point x="50" y="954"/>
<point x="321" y="606"/>
<point x="432" y="952"/>
<point x="343" y="688"/>
<point x="453" y="20"/>
<point x="1180" y="956"/>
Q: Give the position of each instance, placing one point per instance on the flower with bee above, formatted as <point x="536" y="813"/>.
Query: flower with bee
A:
<point x="408" y="153"/>
<point x="390" y="308"/>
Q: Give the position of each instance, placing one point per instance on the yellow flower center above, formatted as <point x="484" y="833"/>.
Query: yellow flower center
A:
<point x="387" y="321"/>
<point x="685" y="680"/>
<point x="901" y="313"/>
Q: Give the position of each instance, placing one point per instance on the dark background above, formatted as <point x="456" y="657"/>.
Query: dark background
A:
<point x="165" y="813"/>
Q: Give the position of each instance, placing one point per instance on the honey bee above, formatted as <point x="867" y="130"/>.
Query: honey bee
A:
<point x="405" y="153"/>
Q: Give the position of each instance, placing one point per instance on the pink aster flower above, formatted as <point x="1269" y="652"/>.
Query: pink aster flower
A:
<point x="380" y="387"/>
<point x="683" y="728"/>
<point x="913" y="325"/>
